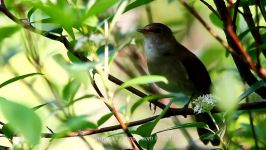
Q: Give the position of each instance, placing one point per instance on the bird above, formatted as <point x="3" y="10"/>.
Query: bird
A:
<point x="184" y="70"/>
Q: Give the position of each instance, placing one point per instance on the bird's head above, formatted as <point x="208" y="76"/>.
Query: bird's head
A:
<point x="156" y="31"/>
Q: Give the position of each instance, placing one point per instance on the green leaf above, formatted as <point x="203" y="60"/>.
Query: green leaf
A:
<point x="147" y="98"/>
<point x="64" y="14"/>
<point x="8" y="132"/>
<point x="216" y="20"/>
<point x="262" y="8"/>
<point x="143" y="80"/>
<point x="252" y="89"/>
<point x="145" y="130"/>
<point x="81" y="98"/>
<point x="43" y="22"/>
<point x="77" y="123"/>
<point x="73" y="58"/>
<point x="148" y="142"/>
<point x="30" y="12"/>
<point x="185" y="125"/>
<point x="22" y="119"/>
<point x="70" y="90"/>
<point x="86" y="96"/>
<point x="118" y="13"/>
<point x="7" y="31"/>
<point x="104" y="118"/>
<point x="42" y="105"/>
<point x="100" y="6"/>
<point x="137" y="3"/>
<point x="18" y="78"/>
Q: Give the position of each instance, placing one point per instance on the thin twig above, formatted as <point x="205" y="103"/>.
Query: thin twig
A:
<point x="206" y="25"/>
<point x="230" y="33"/>
<point x="149" y="14"/>
<point x="254" y="32"/>
<point x="132" y="140"/>
<point x="210" y="7"/>
<point x="251" y="121"/>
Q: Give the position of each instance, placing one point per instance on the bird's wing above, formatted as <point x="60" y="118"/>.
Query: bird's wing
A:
<point x="197" y="72"/>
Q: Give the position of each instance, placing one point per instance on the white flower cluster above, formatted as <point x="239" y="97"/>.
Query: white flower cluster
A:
<point x="204" y="103"/>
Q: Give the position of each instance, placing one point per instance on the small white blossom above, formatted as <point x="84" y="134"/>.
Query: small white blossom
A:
<point x="204" y="103"/>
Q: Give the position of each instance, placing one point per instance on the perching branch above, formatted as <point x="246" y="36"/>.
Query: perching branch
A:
<point x="171" y="112"/>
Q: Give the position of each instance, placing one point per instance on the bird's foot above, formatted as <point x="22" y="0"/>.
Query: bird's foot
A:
<point x="184" y="110"/>
<point x="154" y="107"/>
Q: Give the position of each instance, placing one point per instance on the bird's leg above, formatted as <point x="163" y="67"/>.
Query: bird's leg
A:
<point x="185" y="107"/>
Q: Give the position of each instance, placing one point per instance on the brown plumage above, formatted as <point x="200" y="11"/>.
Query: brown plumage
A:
<point x="184" y="71"/>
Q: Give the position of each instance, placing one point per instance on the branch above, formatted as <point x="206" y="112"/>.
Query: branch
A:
<point x="131" y="138"/>
<point x="243" y="68"/>
<point x="233" y="39"/>
<point x="171" y="112"/>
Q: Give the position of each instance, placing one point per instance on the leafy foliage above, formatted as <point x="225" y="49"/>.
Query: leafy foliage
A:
<point x="85" y="44"/>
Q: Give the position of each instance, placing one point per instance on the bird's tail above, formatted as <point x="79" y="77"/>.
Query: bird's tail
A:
<point x="206" y="118"/>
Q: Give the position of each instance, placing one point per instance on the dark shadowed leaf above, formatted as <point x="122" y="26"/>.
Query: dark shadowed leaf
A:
<point x="146" y="129"/>
<point x="186" y="125"/>
<point x="104" y="118"/>
<point x="148" y="142"/>
<point x="143" y="80"/>
<point x="252" y="89"/>
<point x="146" y="99"/>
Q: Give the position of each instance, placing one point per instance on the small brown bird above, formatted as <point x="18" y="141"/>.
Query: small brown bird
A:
<point x="184" y="71"/>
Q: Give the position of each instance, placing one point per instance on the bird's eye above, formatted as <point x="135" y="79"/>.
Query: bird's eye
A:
<point x="157" y="30"/>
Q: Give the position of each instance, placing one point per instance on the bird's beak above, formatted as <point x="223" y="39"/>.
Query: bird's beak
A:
<point x="142" y="30"/>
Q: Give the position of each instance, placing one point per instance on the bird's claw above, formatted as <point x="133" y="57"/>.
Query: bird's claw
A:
<point x="154" y="107"/>
<point x="184" y="110"/>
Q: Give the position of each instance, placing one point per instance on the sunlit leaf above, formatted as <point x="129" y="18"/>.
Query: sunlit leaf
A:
<point x="137" y="3"/>
<point x="18" y="78"/>
<point x="118" y="13"/>
<point x="42" y="105"/>
<point x="77" y="123"/>
<point x="100" y="6"/>
<point x="65" y="15"/>
<point x="70" y="90"/>
<point x="22" y="120"/>
<point x="81" y="98"/>
<point x="7" y="31"/>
